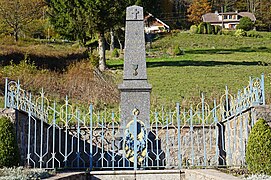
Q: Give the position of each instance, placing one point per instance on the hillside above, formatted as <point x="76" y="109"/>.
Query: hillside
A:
<point x="208" y="63"/>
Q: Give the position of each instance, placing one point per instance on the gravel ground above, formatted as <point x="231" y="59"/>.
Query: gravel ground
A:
<point x="258" y="177"/>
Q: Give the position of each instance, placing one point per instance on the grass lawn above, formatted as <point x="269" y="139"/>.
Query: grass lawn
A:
<point x="209" y="63"/>
<point x="216" y="61"/>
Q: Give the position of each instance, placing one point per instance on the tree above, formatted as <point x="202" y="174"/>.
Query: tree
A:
<point x="197" y="9"/>
<point x="18" y="13"/>
<point x="245" y="24"/>
<point x="69" y="19"/>
<point x="80" y="19"/>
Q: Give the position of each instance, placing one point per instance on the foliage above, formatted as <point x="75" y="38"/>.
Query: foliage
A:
<point x="240" y="33"/>
<point x="202" y="28"/>
<point x="197" y="9"/>
<point x="254" y="33"/>
<point x="194" y="29"/>
<point x="37" y="29"/>
<point x="209" y="28"/>
<point x="9" y="152"/>
<point x="151" y="6"/>
<point x="82" y="19"/>
<point x="217" y="29"/>
<point x="23" y="174"/>
<point x="245" y="24"/>
<point x="94" y="60"/>
<point x="228" y="32"/>
<point x="115" y="53"/>
<point x="178" y="51"/>
<point x="18" y="13"/>
<point x="258" y="154"/>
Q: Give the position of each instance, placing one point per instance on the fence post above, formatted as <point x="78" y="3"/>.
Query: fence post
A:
<point x="90" y="138"/>
<point x="6" y="92"/>
<point x="17" y="97"/>
<point x="135" y="143"/>
<point x="203" y="129"/>
<point x="179" y="136"/>
<point x="262" y="88"/>
<point x="113" y="141"/>
<point x="156" y="139"/>
<point x="191" y="135"/>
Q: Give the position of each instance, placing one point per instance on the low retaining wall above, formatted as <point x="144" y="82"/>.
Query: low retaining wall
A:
<point x="188" y="174"/>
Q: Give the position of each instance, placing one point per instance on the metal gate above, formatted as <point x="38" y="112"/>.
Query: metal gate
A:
<point x="63" y="136"/>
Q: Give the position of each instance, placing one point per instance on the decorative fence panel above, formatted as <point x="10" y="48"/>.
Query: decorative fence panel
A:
<point x="54" y="136"/>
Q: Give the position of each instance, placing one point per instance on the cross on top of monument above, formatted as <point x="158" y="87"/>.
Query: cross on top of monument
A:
<point x="135" y="12"/>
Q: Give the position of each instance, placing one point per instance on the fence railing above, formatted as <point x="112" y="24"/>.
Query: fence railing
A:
<point x="54" y="136"/>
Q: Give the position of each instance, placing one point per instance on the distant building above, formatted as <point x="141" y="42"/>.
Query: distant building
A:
<point x="154" y="25"/>
<point x="228" y="20"/>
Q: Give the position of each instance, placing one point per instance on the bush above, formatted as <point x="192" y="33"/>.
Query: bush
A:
<point x="217" y="29"/>
<point x="178" y="51"/>
<point x="209" y="28"/>
<point x="9" y="152"/>
<point x="258" y="153"/>
<point x="240" y="33"/>
<point x="245" y="24"/>
<point x="202" y="28"/>
<point x="254" y="34"/>
<point x="194" y="29"/>
<point x="23" y="173"/>
<point x="115" y="53"/>
<point x="228" y="32"/>
<point x="94" y="60"/>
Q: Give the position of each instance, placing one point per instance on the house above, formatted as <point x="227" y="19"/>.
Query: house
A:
<point x="154" y="25"/>
<point x="227" y="20"/>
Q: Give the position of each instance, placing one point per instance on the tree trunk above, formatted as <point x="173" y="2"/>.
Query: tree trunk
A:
<point x="112" y="44"/>
<point x="121" y="48"/>
<point x="16" y="36"/>
<point x="101" y="41"/>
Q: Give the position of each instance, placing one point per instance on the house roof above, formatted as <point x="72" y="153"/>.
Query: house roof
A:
<point x="155" y="21"/>
<point x="213" y="17"/>
<point x="210" y="17"/>
<point x="248" y="14"/>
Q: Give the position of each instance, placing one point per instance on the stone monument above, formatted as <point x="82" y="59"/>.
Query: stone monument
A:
<point x="135" y="90"/>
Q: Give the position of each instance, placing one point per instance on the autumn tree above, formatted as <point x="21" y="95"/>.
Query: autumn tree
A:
<point x="18" y="13"/>
<point x="197" y="9"/>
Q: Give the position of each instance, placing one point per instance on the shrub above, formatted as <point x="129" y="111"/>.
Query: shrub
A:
<point x="178" y="51"/>
<point x="258" y="153"/>
<point x="94" y="60"/>
<point x="209" y="28"/>
<point x="202" y="28"/>
<point x="240" y="33"/>
<point x="23" y="173"/>
<point x="228" y="32"/>
<point x="115" y="53"/>
<point x="194" y="29"/>
<point x="217" y="29"/>
<point x="245" y="24"/>
<point x="9" y="152"/>
<point x="254" y="34"/>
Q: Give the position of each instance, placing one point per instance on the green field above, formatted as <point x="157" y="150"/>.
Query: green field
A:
<point x="209" y="64"/>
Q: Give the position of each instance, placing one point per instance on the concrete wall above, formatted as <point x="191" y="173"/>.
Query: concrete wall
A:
<point x="188" y="174"/>
<point x="237" y="131"/>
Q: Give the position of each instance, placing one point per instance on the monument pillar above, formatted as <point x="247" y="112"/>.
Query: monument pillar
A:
<point x="135" y="90"/>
